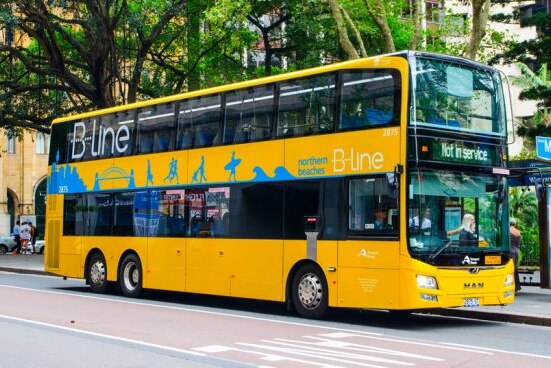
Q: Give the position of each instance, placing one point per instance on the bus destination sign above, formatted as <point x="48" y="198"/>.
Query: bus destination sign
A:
<point x="458" y="152"/>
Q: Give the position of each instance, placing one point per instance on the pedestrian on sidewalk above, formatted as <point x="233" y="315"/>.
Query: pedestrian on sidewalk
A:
<point x="25" y="234"/>
<point x="34" y="235"/>
<point x="515" y="238"/>
<point x="17" y="238"/>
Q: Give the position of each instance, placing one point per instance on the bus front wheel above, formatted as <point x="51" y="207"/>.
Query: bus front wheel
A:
<point x="309" y="293"/>
<point x="97" y="274"/>
<point x="130" y="276"/>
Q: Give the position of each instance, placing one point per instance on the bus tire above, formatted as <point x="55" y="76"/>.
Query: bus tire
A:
<point x="96" y="276"/>
<point x="309" y="292"/>
<point x="131" y="276"/>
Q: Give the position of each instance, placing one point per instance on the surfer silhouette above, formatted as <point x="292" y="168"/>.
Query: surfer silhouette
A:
<point x="230" y="166"/>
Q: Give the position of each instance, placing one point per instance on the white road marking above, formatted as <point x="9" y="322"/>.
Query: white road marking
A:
<point x="361" y="348"/>
<point x="103" y="336"/>
<point x="214" y="349"/>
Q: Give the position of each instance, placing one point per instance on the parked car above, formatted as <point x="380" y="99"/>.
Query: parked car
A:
<point x="39" y="246"/>
<point x="6" y="244"/>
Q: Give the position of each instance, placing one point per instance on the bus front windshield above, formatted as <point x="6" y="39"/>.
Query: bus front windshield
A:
<point x="457" y="97"/>
<point x="456" y="213"/>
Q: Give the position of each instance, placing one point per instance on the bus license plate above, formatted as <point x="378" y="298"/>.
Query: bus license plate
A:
<point x="472" y="302"/>
<point x="492" y="260"/>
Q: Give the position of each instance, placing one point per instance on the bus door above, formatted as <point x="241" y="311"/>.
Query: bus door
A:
<point x="369" y="257"/>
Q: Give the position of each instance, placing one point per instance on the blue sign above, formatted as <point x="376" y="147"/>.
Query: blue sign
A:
<point x="543" y="147"/>
<point x="548" y="237"/>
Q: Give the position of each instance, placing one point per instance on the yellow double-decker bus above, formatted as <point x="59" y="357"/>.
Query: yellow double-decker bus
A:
<point x="373" y="183"/>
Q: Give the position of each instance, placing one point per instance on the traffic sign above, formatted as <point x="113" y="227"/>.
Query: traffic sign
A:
<point x="543" y="148"/>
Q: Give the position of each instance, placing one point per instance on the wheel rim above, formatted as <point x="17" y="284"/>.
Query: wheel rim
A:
<point x="131" y="276"/>
<point x="97" y="273"/>
<point x="310" y="291"/>
<point x="2" y="250"/>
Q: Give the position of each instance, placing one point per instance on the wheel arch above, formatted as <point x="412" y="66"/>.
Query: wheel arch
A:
<point x="123" y="256"/>
<point x="291" y="276"/>
<point x="89" y="256"/>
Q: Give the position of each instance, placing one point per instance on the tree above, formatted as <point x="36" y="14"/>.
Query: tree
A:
<point x="481" y="13"/>
<point x="378" y="13"/>
<point x="535" y="86"/>
<point x="272" y="34"/>
<point x="523" y="206"/>
<point x="70" y="56"/>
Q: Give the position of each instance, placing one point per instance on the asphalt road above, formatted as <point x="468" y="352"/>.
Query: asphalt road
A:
<point x="58" y="323"/>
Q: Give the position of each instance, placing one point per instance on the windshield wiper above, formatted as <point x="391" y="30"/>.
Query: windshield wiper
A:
<point x="440" y="250"/>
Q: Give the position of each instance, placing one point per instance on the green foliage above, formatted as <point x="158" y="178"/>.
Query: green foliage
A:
<point x="523" y="206"/>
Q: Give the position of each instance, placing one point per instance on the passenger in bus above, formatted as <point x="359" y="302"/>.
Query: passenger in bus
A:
<point x="422" y="226"/>
<point x="381" y="219"/>
<point x="467" y="235"/>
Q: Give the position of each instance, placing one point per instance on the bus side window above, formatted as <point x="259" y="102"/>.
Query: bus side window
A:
<point x="186" y="137"/>
<point x="248" y="114"/>
<point x="206" y="113"/>
<point x="368" y="99"/>
<point x="306" y="106"/>
<point x="156" y="128"/>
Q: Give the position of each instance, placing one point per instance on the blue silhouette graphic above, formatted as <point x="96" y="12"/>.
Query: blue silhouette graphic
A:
<point x="65" y="179"/>
<point x="230" y="166"/>
<point x="149" y="175"/>
<point x="114" y="173"/>
<point x="260" y="175"/>
<point x="199" y="174"/>
<point x="131" y="182"/>
<point x="280" y="173"/>
<point x="172" y="172"/>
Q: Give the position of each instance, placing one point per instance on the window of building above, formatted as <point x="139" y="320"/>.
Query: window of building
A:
<point x="40" y="143"/>
<point x="11" y="141"/>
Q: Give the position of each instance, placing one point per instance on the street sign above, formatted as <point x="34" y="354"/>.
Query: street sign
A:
<point x="543" y="148"/>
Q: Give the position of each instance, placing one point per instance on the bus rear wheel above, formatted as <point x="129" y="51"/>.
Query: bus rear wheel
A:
<point x="130" y="276"/>
<point x="97" y="274"/>
<point x="309" y="292"/>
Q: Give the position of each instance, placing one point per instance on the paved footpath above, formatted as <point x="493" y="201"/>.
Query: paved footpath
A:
<point x="532" y="305"/>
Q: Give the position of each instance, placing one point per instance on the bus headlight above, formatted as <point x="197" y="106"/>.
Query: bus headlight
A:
<point x="509" y="280"/>
<point x="426" y="282"/>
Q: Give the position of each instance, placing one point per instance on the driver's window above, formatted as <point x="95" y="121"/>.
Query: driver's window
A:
<point x="372" y="206"/>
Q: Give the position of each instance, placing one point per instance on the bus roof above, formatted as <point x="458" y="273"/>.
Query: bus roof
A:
<point x="250" y="83"/>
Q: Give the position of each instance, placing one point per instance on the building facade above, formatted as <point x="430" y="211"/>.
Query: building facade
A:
<point x="23" y="179"/>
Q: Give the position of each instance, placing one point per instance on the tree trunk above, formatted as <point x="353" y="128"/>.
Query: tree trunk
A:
<point x="344" y="40"/>
<point x="481" y="12"/>
<point x="376" y="10"/>
<point x="417" y="15"/>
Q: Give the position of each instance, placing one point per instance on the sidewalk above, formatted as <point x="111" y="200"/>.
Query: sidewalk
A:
<point x="23" y="263"/>
<point x="532" y="305"/>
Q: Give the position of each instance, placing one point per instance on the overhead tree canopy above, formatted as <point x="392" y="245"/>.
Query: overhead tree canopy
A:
<point x="63" y="57"/>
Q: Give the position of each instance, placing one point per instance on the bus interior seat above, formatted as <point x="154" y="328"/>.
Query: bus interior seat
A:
<point x="204" y="139"/>
<point x="185" y="139"/>
<point x="146" y="143"/>
<point x="350" y="122"/>
<point x="162" y="143"/>
<point x="229" y="134"/>
<point x="377" y="117"/>
<point x="437" y="120"/>
<point x="240" y="137"/>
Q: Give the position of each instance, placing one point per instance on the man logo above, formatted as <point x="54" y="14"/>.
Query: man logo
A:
<point x="473" y="285"/>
